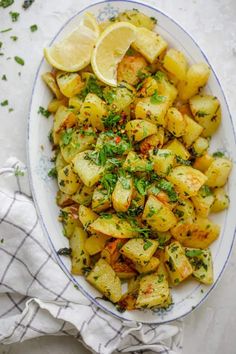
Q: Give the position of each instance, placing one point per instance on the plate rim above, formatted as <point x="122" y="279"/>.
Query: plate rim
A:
<point x="31" y="183"/>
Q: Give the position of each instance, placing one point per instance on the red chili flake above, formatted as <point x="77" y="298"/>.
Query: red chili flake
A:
<point x="117" y="139"/>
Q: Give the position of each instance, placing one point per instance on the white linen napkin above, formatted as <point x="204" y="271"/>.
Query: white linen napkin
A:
<point x="37" y="298"/>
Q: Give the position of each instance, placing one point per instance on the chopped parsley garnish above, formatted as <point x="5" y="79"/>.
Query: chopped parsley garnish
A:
<point x="109" y="96"/>
<point x="147" y="245"/>
<point x="218" y="154"/>
<point x="19" y="60"/>
<point x="154" y="20"/>
<point x="6" y="3"/>
<point x="124" y="182"/>
<point x="141" y="184"/>
<point x="6" y="30"/>
<point x="53" y="172"/>
<point x="159" y="75"/>
<point x="142" y="75"/>
<point x="92" y="86"/>
<point x="106" y="216"/>
<point x="4" y="103"/>
<point x="14" y="16"/>
<point x="67" y="136"/>
<point x="108" y="181"/>
<point x="64" y="251"/>
<point x="33" y="28"/>
<point x="168" y="187"/>
<point x="130" y="52"/>
<point x="19" y="172"/>
<point x="205" y="191"/>
<point x="111" y="120"/>
<point x="44" y="112"/>
<point x="182" y="161"/>
<point x="193" y="253"/>
<point x="155" y="98"/>
<point x="201" y="114"/>
<point x="14" y="38"/>
<point x="27" y="4"/>
<point x="10" y="110"/>
<point x="0" y="45"/>
<point x="4" y="78"/>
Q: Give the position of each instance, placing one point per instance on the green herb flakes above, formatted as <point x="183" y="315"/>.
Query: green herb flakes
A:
<point x="4" y="78"/>
<point x="14" y="16"/>
<point x="33" y="28"/>
<point x="6" y="30"/>
<point x="27" y="4"/>
<point x="193" y="253"/>
<point x="44" y="112"/>
<point x="67" y="136"/>
<point x="4" y="103"/>
<point x="147" y="245"/>
<point x="19" y="60"/>
<point x="53" y="173"/>
<point x="14" y="38"/>
<point x="155" y="98"/>
<point x="6" y="3"/>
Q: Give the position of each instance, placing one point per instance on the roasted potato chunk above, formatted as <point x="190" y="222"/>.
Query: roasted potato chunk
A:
<point x="199" y="234"/>
<point x="104" y="278"/>
<point x="129" y="68"/>
<point x="201" y="262"/>
<point x="140" y="251"/>
<point x="218" y="172"/>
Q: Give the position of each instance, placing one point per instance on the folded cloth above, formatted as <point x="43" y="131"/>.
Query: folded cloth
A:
<point x="37" y="298"/>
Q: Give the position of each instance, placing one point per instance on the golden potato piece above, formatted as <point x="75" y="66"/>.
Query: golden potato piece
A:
<point x="199" y="234"/>
<point x="221" y="200"/>
<point x="68" y="180"/>
<point x="176" y="63"/>
<point x="104" y="278"/>
<point x="187" y="180"/>
<point x="201" y="262"/>
<point x="122" y="194"/>
<point x="149" y="44"/>
<point x="176" y="122"/>
<point x="95" y="243"/>
<point x="158" y="216"/>
<point x="177" y="264"/>
<point x="139" y="129"/>
<point x="218" y="172"/>
<point x="79" y="256"/>
<point x="153" y="292"/>
<point x="140" y="251"/>
<point x="129" y="68"/>
<point x="111" y="225"/>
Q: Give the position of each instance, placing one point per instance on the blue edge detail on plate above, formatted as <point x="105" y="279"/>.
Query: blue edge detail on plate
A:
<point x="111" y="11"/>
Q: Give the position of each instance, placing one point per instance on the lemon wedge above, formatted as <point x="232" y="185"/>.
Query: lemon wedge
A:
<point x="89" y="20"/>
<point x="110" y="48"/>
<point x="73" y="52"/>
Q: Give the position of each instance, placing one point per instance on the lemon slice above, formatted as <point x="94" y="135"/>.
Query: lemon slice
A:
<point x="110" y="48"/>
<point x="89" y="20"/>
<point x="74" y="52"/>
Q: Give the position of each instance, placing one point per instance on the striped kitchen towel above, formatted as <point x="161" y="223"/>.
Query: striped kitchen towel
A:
<point x="37" y="298"/>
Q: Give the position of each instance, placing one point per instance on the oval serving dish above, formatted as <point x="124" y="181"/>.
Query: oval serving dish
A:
<point x="191" y="294"/>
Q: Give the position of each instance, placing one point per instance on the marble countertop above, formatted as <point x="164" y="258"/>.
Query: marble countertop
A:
<point x="211" y="328"/>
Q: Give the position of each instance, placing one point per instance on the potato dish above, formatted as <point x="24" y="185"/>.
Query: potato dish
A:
<point x="136" y="181"/>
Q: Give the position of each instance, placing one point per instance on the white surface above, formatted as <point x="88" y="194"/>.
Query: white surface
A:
<point x="210" y="329"/>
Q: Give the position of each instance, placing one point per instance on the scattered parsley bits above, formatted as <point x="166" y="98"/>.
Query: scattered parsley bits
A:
<point x="64" y="251"/>
<point x="19" y="60"/>
<point x="67" y="136"/>
<point x="6" y="30"/>
<point x="10" y="110"/>
<point x="19" y="172"/>
<point x="155" y="98"/>
<point x="111" y="120"/>
<point x="14" y="16"/>
<point x="14" y="38"/>
<point x="33" y="28"/>
<point x="4" y="78"/>
<point x="154" y="20"/>
<point x="53" y="172"/>
<point x="27" y="4"/>
<point x="4" y="103"/>
<point x="6" y="3"/>
<point x="193" y="253"/>
<point x="218" y="154"/>
<point x="147" y="245"/>
<point x="44" y="112"/>
<point x="0" y="45"/>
